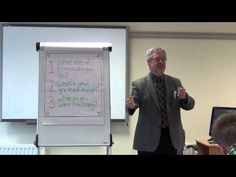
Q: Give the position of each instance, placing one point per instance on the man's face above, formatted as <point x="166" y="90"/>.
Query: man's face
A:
<point x="157" y="64"/>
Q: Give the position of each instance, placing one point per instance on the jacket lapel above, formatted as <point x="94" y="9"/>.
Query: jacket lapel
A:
<point x="169" y="93"/>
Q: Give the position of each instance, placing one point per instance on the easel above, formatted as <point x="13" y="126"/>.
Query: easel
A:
<point x="108" y="152"/>
<point x="61" y="120"/>
<point x="36" y="144"/>
<point x="109" y="147"/>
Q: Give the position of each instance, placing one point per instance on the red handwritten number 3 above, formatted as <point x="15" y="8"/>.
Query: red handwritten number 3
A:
<point x="51" y="103"/>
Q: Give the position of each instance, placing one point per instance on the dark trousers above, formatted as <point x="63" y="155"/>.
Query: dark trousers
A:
<point x="165" y="147"/>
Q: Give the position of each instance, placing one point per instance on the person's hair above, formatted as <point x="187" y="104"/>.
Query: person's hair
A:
<point x="152" y="50"/>
<point x="224" y="129"/>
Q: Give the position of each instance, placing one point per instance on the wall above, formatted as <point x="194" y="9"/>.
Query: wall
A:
<point x="206" y="68"/>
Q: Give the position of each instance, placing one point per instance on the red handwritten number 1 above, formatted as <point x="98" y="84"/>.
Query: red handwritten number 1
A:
<point x="51" y="67"/>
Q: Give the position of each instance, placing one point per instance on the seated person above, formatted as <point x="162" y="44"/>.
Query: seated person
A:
<point x="224" y="133"/>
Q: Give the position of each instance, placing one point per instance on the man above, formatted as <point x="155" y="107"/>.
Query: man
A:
<point x="159" y="98"/>
<point x="224" y="133"/>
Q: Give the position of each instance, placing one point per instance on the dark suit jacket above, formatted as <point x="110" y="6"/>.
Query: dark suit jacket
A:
<point x="148" y="129"/>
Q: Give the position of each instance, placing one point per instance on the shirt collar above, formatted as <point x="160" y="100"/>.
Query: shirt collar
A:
<point x="154" y="77"/>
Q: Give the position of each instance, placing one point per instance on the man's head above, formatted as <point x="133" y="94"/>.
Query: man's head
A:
<point x="156" y="60"/>
<point x="224" y="130"/>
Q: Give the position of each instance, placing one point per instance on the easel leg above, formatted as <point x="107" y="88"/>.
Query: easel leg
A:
<point x="38" y="150"/>
<point x="109" y="146"/>
<point x="109" y="150"/>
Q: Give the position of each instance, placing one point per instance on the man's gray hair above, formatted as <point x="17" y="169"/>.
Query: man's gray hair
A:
<point x="152" y="50"/>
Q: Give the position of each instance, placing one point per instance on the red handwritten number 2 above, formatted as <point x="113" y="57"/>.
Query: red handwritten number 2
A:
<point x="51" y="86"/>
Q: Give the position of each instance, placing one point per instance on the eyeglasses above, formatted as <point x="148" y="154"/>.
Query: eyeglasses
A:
<point x="159" y="60"/>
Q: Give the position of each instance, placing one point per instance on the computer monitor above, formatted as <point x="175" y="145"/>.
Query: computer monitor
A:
<point x="217" y="112"/>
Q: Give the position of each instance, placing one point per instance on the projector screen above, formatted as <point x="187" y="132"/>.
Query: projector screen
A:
<point x="20" y="65"/>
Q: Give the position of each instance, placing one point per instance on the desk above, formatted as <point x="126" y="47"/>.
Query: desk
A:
<point x="205" y="148"/>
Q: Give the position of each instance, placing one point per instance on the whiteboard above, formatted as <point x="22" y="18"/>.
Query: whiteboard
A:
<point x="74" y="95"/>
<point x="20" y="65"/>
